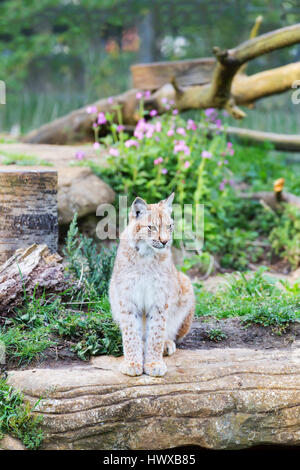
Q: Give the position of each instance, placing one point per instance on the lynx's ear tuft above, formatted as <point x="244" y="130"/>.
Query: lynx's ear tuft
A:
<point x="139" y="207"/>
<point x="168" y="202"/>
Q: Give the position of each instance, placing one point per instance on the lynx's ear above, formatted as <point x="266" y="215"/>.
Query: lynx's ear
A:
<point x="139" y="207"/>
<point x="168" y="202"/>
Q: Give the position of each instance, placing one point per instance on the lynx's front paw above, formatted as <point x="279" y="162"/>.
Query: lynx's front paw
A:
<point x="155" y="369"/>
<point x="131" y="368"/>
<point x="169" y="347"/>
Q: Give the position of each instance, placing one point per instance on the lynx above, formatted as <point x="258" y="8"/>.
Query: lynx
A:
<point x="151" y="301"/>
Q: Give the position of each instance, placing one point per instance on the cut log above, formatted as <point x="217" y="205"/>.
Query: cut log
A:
<point x="270" y="199"/>
<point x="28" y="210"/>
<point x="186" y="72"/>
<point x="29" y="269"/>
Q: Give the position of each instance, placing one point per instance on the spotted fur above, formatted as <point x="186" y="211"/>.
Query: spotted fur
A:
<point x="151" y="301"/>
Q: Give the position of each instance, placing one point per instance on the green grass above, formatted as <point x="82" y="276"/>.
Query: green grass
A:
<point x="16" y="418"/>
<point x="81" y="314"/>
<point x="19" y="159"/>
<point x="255" y="298"/>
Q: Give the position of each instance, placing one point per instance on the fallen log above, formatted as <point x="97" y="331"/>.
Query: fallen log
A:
<point x="287" y="142"/>
<point x="227" y="88"/>
<point x="28" y="270"/>
<point x="28" y="209"/>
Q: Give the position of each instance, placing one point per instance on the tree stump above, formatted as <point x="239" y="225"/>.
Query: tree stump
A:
<point x="28" y="210"/>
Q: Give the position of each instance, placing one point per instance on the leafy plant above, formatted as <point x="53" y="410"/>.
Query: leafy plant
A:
<point x="216" y="334"/>
<point x="16" y="418"/>
<point x="285" y="236"/>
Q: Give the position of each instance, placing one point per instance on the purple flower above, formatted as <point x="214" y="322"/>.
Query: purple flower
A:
<point x="222" y="186"/>
<point x="191" y="125"/>
<point x="91" y="109"/>
<point x="131" y="143"/>
<point x="95" y="125"/>
<point x="139" y="95"/>
<point x="187" y="164"/>
<point x="153" y="112"/>
<point x="170" y="133"/>
<point x="231" y="152"/>
<point x="209" y="112"/>
<point x="79" y="155"/>
<point x="175" y="111"/>
<point x="164" y="171"/>
<point x="164" y="100"/>
<point x="114" y="152"/>
<point x="225" y="162"/>
<point x="110" y="100"/>
<point x="206" y="154"/>
<point x="101" y="118"/>
<point x="218" y="123"/>
<point x="229" y="145"/>
<point x="120" y="128"/>
<point x="96" y="145"/>
<point x="181" y="131"/>
<point x="159" y="160"/>
<point x="147" y="94"/>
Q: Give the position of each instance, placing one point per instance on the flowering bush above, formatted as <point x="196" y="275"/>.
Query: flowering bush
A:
<point x="169" y="153"/>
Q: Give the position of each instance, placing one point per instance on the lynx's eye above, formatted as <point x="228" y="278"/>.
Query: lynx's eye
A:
<point x="171" y="226"/>
<point x="152" y="228"/>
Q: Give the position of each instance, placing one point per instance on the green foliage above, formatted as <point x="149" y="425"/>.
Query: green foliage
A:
<point x="94" y="333"/>
<point x="16" y="418"/>
<point x="285" y="236"/>
<point x="216" y="334"/>
<point x="254" y="297"/>
<point x="91" y="270"/>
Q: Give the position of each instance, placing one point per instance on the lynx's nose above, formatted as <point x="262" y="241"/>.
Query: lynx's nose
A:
<point x="164" y="242"/>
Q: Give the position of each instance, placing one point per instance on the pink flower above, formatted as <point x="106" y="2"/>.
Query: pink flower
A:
<point x="164" y="100"/>
<point x="153" y="112"/>
<point x="231" y="152"/>
<point x="181" y="147"/>
<point x="157" y="139"/>
<point x="101" y="118"/>
<point x="79" y="155"/>
<point x="96" y="145"/>
<point x="170" y="133"/>
<point x="229" y="145"/>
<point x="131" y="143"/>
<point x="222" y="186"/>
<point x="181" y="131"/>
<point x="114" y="152"/>
<point x="95" y="125"/>
<point x="175" y="111"/>
<point x="206" y="154"/>
<point x="147" y="94"/>
<point x="187" y="164"/>
<point x="191" y="125"/>
<point x="172" y="102"/>
<point x="139" y="95"/>
<point x="158" y="160"/>
<point x="218" y="123"/>
<point x="158" y="126"/>
<point x="209" y="112"/>
<point x="164" y="171"/>
<point x="120" y="128"/>
<point x="91" y="109"/>
<point x="110" y="100"/>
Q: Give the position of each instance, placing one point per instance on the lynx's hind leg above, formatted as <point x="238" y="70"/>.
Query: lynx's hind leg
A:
<point x="185" y="326"/>
<point x="169" y="347"/>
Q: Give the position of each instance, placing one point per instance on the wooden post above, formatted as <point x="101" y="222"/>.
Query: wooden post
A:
<point x="28" y="210"/>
